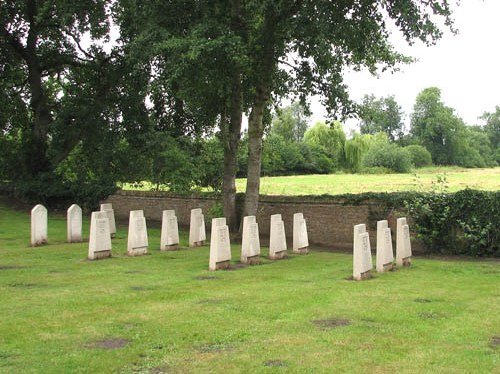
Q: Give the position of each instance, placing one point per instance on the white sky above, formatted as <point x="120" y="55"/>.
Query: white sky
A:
<point x="466" y="67"/>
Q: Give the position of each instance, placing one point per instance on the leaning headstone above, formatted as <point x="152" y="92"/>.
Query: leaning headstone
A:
<point x="39" y="234"/>
<point x="74" y="224"/>
<point x="277" y="238"/>
<point x="403" y="256"/>
<point x="169" y="231"/>
<point x="250" y="242"/>
<point x="108" y="208"/>
<point x="300" y="238"/>
<point x="137" y="242"/>
<point x="197" y="233"/>
<point x="403" y="246"/>
<point x="385" y="256"/>
<point x="220" y="248"/>
<point x="100" y="239"/>
<point x="362" y="256"/>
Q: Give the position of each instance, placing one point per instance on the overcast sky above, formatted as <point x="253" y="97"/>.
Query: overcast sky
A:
<point x="466" y="67"/>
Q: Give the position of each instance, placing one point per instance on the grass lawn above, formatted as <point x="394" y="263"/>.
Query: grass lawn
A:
<point x="424" y="179"/>
<point x="166" y="312"/>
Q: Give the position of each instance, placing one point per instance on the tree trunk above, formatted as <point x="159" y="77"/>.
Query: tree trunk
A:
<point x="255" y="133"/>
<point x="231" y="141"/>
<point x="36" y="152"/>
<point x="231" y="135"/>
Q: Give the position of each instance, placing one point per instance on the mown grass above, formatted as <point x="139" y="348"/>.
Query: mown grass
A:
<point x="62" y="313"/>
<point x="424" y="179"/>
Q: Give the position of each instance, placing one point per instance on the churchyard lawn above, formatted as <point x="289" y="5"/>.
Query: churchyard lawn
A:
<point x="165" y="312"/>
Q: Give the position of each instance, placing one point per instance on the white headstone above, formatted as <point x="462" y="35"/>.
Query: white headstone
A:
<point x="277" y="238"/>
<point x="169" y="231"/>
<point x="39" y="224"/>
<point x="100" y="239"/>
<point x="74" y="224"/>
<point x="300" y="237"/>
<point x="385" y="256"/>
<point x="220" y="248"/>
<point x="403" y="257"/>
<point x="362" y="256"/>
<point x="250" y="242"/>
<point x="137" y="242"/>
<point x="197" y="233"/>
<point x="108" y="208"/>
<point x="403" y="246"/>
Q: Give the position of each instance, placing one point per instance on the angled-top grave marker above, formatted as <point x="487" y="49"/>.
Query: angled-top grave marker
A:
<point x="108" y="208"/>
<point x="403" y="244"/>
<point x="39" y="224"/>
<point x="362" y="256"/>
<point x="169" y="231"/>
<point x="277" y="238"/>
<point x="385" y="255"/>
<point x="300" y="237"/>
<point x="100" y="238"/>
<point x="137" y="242"/>
<point x="220" y="247"/>
<point x="250" y="242"/>
<point x="197" y="233"/>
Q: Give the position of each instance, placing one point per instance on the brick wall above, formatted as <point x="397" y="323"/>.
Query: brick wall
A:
<point x="329" y="221"/>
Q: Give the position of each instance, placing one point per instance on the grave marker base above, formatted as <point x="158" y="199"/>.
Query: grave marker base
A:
<point x="39" y="243"/>
<point x="223" y="265"/>
<point x="365" y="275"/>
<point x="388" y="267"/>
<point x="278" y="255"/>
<point x="407" y="261"/>
<point x="138" y="251"/>
<point x="173" y="247"/>
<point x="113" y="235"/>
<point x="197" y="244"/>
<point x="302" y="251"/>
<point x="100" y="255"/>
<point x="253" y="260"/>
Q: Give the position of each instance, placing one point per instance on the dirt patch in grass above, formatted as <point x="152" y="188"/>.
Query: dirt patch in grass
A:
<point x="495" y="341"/>
<point x="132" y="272"/>
<point x="429" y="315"/>
<point x="110" y="343"/>
<point x="276" y="363"/>
<point x="23" y="285"/>
<point x="329" y="324"/>
<point x="10" y="267"/>
<point x="205" y="277"/>
<point x="213" y="348"/>
<point x="209" y="301"/>
<point x="237" y="266"/>
<point x="422" y="301"/>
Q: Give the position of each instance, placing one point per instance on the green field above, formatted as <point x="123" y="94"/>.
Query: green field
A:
<point x="424" y="179"/>
<point x="166" y="312"/>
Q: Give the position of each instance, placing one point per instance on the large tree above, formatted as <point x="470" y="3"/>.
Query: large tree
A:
<point x="437" y="127"/>
<point x="381" y="115"/>
<point x="301" y="47"/>
<point x="59" y="89"/>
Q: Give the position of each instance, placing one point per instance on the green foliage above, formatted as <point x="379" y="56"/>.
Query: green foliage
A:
<point x="420" y="156"/>
<point x="210" y="164"/>
<point x="465" y="222"/>
<point x="355" y="149"/>
<point x="331" y="139"/>
<point x="290" y="123"/>
<point x="381" y="115"/>
<point x="390" y="156"/>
